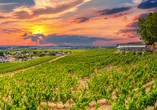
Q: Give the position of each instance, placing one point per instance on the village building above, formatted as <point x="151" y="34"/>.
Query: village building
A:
<point x="27" y="53"/>
<point x="135" y="46"/>
<point x="20" y="56"/>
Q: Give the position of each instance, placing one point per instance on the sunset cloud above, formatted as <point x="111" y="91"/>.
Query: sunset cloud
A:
<point x="80" y="20"/>
<point x="1" y="17"/>
<point x="8" y="5"/>
<point x="130" y="29"/>
<point x="113" y="42"/>
<point x="11" y="30"/>
<point x="147" y="4"/>
<point x="128" y="32"/>
<point x="4" y="17"/>
<point x="108" y="13"/>
<point x="62" y="39"/>
<point x="61" y="8"/>
<point x="137" y="1"/>
<point x="8" y="22"/>
<point x="113" y="11"/>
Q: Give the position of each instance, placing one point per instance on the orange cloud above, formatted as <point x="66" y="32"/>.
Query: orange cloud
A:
<point x="12" y="31"/>
<point x="46" y="7"/>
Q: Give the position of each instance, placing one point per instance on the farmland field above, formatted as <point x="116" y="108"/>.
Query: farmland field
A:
<point x="13" y="66"/>
<point x="95" y="79"/>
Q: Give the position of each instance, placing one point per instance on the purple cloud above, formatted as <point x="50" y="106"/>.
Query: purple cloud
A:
<point x="113" y="11"/>
<point x="147" y="4"/>
<point x="11" y="30"/>
<point x="62" y="39"/>
<point x="80" y="20"/>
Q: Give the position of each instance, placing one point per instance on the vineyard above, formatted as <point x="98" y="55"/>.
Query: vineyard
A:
<point x="13" y="66"/>
<point x="94" y="79"/>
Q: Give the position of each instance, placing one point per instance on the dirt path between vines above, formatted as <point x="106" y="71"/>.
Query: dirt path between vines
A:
<point x="13" y="72"/>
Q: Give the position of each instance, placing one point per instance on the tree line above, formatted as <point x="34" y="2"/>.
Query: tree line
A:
<point x="1" y="53"/>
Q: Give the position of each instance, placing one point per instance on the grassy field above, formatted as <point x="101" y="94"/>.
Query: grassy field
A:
<point x="13" y="66"/>
<point x="96" y="79"/>
<point x="8" y="65"/>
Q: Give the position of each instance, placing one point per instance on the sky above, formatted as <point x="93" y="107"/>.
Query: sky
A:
<point x="71" y="22"/>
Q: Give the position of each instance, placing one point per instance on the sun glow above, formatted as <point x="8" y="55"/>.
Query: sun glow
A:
<point x="38" y="29"/>
<point x="42" y="29"/>
<point x="40" y="38"/>
<point x="36" y="32"/>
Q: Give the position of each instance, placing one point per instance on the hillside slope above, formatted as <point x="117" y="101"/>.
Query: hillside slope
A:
<point x="95" y="79"/>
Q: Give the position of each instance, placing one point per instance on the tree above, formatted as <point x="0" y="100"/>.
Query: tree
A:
<point x="31" y="55"/>
<point x="1" y="53"/>
<point x="35" y="52"/>
<point x="148" y="27"/>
